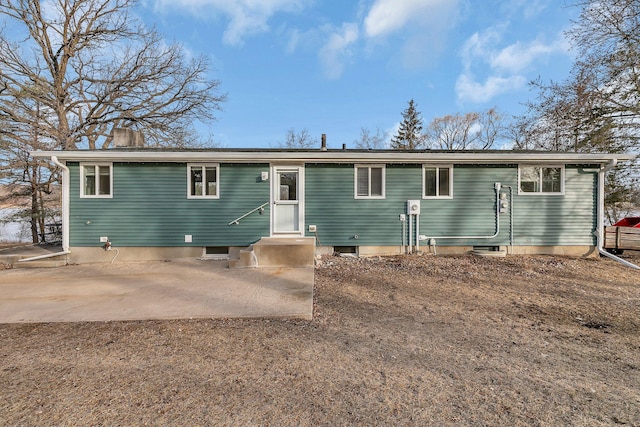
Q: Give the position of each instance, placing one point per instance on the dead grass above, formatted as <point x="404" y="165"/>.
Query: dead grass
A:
<point x="540" y="341"/>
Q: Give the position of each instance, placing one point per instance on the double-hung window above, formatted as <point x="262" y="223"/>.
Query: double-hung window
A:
<point x="437" y="182"/>
<point x="96" y="180"/>
<point x="369" y="181"/>
<point x="203" y="181"/>
<point x="540" y="179"/>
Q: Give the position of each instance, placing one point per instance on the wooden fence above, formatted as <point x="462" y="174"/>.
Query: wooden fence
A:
<point x="622" y="238"/>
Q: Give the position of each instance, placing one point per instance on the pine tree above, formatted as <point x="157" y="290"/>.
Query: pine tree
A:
<point x="409" y="136"/>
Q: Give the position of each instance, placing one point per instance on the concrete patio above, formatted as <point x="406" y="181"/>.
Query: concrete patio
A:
<point x="179" y="289"/>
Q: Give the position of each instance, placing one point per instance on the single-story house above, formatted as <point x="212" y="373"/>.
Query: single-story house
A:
<point x="169" y="203"/>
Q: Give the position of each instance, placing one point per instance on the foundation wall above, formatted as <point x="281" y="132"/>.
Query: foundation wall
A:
<point x="85" y="255"/>
<point x="574" y="251"/>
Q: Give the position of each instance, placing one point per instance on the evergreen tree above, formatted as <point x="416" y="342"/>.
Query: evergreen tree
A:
<point x="409" y="136"/>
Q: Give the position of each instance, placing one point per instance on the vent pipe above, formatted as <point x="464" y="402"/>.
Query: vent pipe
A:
<point x="323" y="147"/>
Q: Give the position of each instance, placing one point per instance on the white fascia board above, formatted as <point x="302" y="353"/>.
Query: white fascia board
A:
<point x="503" y="157"/>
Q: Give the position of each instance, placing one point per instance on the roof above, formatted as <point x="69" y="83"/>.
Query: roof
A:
<point x="332" y="156"/>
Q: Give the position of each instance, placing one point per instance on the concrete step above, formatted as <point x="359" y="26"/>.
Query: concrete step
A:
<point x="277" y="252"/>
<point x="246" y="259"/>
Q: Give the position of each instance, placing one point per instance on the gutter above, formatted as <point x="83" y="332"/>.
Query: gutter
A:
<point x="600" y="225"/>
<point x="65" y="215"/>
<point x="372" y="156"/>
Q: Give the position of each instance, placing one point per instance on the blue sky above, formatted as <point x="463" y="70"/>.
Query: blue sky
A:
<point x="335" y="67"/>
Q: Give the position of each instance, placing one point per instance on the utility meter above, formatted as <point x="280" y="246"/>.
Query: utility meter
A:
<point x="413" y="207"/>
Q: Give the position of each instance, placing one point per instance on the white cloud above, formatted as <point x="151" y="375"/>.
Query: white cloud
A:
<point x="518" y="56"/>
<point x="423" y="25"/>
<point x="479" y="45"/>
<point x="527" y="8"/>
<point x="468" y="89"/>
<point x="388" y="16"/>
<point x="337" y="48"/>
<point x="504" y="68"/>
<point x="246" y="17"/>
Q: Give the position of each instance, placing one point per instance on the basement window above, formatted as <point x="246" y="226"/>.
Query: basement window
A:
<point x="216" y="252"/>
<point x="96" y="180"/>
<point x="345" y="250"/>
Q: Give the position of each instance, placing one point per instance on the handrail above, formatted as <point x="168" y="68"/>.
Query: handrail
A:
<point x="259" y="208"/>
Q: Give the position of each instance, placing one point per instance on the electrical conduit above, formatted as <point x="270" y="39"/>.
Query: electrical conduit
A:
<point x="497" y="186"/>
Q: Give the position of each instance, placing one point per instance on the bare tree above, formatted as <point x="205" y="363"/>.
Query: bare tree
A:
<point x="597" y="107"/>
<point x="30" y="181"/>
<point x="94" y="68"/>
<point x="453" y="132"/>
<point x="302" y="139"/>
<point x="371" y="142"/>
<point x="71" y="71"/>
<point x="521" y="132"/>
<point x="492" y="129"/>
<point x="607" y="38"/>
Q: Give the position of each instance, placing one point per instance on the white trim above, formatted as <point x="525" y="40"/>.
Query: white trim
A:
<point x="203" y="166"/>
<point x="66" y="191"/>
<point x="541" y="193"/>
<point x="437" y="168"/>
<point x="96" y="165"/>
<point x="275" y="191"/>
<point x="337" y="156"/>
<point x="369" y="166"/>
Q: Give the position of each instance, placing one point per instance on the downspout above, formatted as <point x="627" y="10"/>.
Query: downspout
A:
<point x="600" y="221"/>
<point x="65" y="215"/>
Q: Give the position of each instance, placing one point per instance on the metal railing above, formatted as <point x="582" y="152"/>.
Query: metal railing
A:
<point x="259" y="208"/>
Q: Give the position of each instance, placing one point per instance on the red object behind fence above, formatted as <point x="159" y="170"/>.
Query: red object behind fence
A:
<point x="630" y="221"/>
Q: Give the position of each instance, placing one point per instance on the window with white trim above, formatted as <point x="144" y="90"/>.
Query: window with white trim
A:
<point x="203" y="181"/>
<point x="369" y="181"/>
<point x="536" y="179"/>
<point x="96" y="180"/>
<point x="437" y="182"/>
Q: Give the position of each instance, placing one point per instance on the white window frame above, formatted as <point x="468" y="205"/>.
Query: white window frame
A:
<point x="437" y="168"/>
<point x="541" y="193"/>
<point x="203" y="166"/>
<point x="97" y="194"/>
<point x="355" y="180"/>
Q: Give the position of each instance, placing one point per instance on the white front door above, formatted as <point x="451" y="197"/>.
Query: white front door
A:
<point x="287" y="199"/>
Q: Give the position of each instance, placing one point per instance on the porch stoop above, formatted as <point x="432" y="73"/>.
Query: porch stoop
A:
<point x="277" y="252"/>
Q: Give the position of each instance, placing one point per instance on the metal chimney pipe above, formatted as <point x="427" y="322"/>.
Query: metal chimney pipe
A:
<point x="324" y="142"/>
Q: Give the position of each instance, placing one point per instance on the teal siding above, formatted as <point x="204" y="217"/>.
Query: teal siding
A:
<point x="559" y="220"/>
<point x="472" y="210"/>
<point x="150" y="208"/>
<point x="339" y="217"/>
<point x="538" y="220"/>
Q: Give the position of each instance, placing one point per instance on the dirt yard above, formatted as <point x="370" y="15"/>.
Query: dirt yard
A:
<point x="529" y="341"/>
